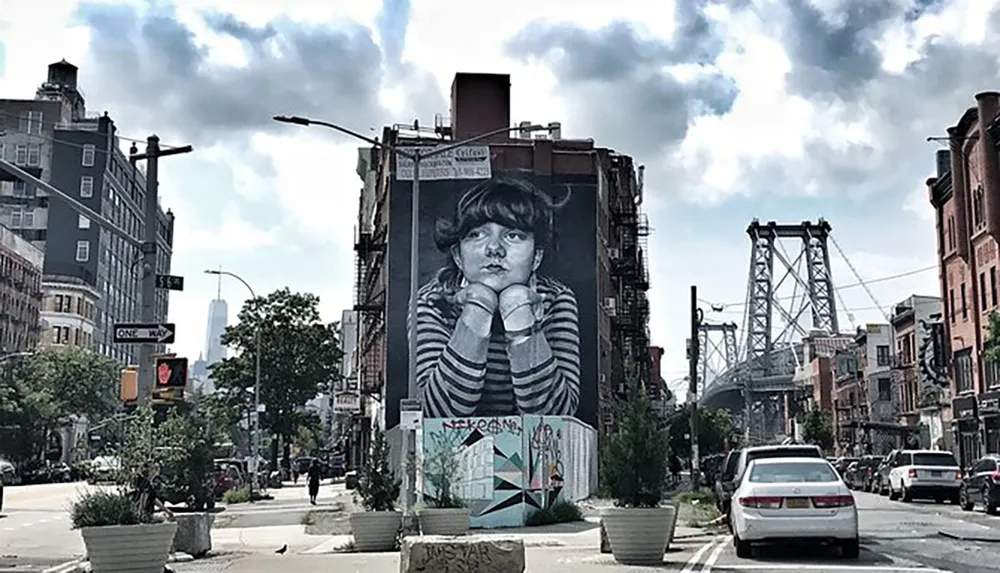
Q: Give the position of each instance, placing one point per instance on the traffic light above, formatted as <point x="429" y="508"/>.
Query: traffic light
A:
<point x="171" y="372"/>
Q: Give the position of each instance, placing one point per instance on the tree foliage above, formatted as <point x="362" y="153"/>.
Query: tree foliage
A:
<point x="300" y="356"/>
<point x="817" y="429"/>
<point x="45" y="390"/>
<point x="378" y="486"/>
<point x="991" y="342"/>
<point x="715" y="427"/>
<point x="635" y="457"/>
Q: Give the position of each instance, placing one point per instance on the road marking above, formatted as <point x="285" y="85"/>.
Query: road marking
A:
<point x="710" y="562"/>
<point x="67" y="567"/>
<point x="693" y="562"/>
<point x="830" y="567"/>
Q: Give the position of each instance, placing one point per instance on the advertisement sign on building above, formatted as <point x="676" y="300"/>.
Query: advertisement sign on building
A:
<point x="346" y="402"/>
<point x="507" y="305"/>
<point x="468" y="162"/>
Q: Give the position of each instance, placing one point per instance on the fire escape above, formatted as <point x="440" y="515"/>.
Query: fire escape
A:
<point x="630" y="277"/>
<point x="370" y="274"/>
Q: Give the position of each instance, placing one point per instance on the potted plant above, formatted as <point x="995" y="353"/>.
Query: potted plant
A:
<point x="445" y="513"/>
<point x="119" y="534"/>
<point x="377" y="528"/>
<point x="634" y="467"/>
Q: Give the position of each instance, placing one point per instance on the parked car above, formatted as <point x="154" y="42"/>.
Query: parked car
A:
<point x="928" y="474"/>
<point x="725" y="485"/>
<point x="841" y="464"/>
<point x="882" y="473"/>
<point x="852" y="475"/>
<point x="104" y="469"/>
<point x="981" y="485"/>
<point x="804" y="499"/>
<point x="864" y="474"/>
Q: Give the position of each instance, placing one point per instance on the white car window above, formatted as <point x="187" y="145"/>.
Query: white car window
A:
<point x="792" y="472"/>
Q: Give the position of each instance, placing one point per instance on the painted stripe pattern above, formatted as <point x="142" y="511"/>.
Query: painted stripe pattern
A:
<point x="462" y="374"/>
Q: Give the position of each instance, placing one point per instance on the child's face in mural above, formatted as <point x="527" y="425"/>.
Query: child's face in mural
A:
<point x="497" y="256"/>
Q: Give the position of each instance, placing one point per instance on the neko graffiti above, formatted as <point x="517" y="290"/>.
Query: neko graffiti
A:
<point x="487" y="426"/>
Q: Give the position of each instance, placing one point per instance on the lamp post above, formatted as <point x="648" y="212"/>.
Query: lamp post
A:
<point x="255" y="421"/>
<point x="415" y="154"/>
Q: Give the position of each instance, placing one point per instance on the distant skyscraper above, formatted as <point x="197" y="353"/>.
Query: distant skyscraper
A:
<point x="218" y="319"/>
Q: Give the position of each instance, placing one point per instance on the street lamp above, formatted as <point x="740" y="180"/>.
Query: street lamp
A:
<point x="415" y="154"/>
<point x="255" y="440"/>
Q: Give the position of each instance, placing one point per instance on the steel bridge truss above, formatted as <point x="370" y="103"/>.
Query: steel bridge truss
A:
<point x="716" y="356"/>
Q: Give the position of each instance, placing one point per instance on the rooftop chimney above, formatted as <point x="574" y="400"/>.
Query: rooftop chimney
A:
<point x="480" y="103"/>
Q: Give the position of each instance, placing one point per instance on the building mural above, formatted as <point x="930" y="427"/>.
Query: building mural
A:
<point x="511" y="466"/>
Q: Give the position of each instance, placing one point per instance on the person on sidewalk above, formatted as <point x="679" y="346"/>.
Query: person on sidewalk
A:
<point x="314" y="477"/>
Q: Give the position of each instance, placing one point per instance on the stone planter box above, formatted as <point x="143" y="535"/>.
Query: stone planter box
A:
<point x="639" y="536"/>
<point x="441" y="521"/>
<point x="194" y="533"/>
<point x="376" y="530"/>
<point x="129" y="548"/>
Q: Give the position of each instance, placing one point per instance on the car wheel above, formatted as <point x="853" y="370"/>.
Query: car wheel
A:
<point x="851" y="548"/>
<point x="963" y="500"/>
<point x="743" y="548"/>
<point x="893" y="496"/>
<point x="905" y="494"/>
<point x="989" y="502"/>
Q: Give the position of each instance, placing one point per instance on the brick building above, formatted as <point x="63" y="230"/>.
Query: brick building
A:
<point x="966" y="197"/>
<point x="480" y="103"/>
<point x="20" y="293"/>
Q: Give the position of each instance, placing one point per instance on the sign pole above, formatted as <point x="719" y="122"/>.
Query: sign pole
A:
<point x="410" y="420"/>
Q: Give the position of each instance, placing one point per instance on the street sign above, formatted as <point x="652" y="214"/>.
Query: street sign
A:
<point x="170" y="282"/>
<point x="139" y="333"/>
<point x="411" y="415"/>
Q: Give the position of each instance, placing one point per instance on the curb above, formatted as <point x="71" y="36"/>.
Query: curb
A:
<point x="67" y="567"/>
<point x="984" y="537"/>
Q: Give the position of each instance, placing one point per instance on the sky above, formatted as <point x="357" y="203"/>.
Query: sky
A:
<point x="785" y="110"/>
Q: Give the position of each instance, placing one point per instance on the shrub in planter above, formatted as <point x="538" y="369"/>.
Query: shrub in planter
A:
<point x="446" y="513"/>
<point x="377" y="528"/>
<point x="634" y="467"/>
<point x="119" y="535"/>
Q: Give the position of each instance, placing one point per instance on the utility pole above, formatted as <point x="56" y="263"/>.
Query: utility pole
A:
<point x="150" y="247"/>
<point x="693" y="350"/>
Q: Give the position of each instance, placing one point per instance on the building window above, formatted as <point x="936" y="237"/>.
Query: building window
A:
<point x="34" y="155"/>
<point x="963" y="370"/>
<point x="993" y="285"/>
<point x="20" y="189"/>
<point x="991" y="371"/>
<point x="965" y="304"/>
<point x="949" y="239"/>
<point x="88" y="155"/>
<point x="82" y="222"/>
<point x="82" y="251"/>
<point x="951" y="304"/>
<point x="86" y="186"/>
<point x="35" y="122"/>
<point x="884" y="390"/>
<point x="978" y="209"/>
<point x="21" y="155"/>
<point x="982" y="292"/>
<point x="882" y="355"/>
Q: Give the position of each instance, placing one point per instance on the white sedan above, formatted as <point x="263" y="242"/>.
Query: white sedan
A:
<point x="788" y="500"/>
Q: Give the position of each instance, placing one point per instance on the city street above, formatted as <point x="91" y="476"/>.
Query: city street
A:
<point x="35" y="529"/>
<point x="895" y="537"/>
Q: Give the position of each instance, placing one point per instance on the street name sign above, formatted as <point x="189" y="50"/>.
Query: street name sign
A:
<point x="139" y="333"/>
<point x="170" y="282"/>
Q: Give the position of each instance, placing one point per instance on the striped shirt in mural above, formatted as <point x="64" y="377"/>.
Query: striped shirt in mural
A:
<point x="462" y="374"/>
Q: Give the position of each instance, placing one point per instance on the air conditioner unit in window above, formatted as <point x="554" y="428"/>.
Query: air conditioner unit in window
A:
<point x="610" y="306"/>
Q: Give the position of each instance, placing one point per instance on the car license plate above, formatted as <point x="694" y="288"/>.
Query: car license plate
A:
<point x="936" y="474"/>
<point x="798" y="503"/>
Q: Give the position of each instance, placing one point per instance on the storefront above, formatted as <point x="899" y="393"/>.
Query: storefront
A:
<point x="965" y="412"/>
<point x="989" y="410"/>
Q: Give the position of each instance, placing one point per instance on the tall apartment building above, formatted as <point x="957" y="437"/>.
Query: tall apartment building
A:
<point x="966" y="197"/>
<point x="924" y="401"/>
<point x="69" y="312"/>
<point x="20" y="293"/>
<point x="52" y="138"/>
<point x="606" y="189"/>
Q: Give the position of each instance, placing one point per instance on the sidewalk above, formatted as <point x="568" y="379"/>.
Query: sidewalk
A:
<point x="550" y="549"/>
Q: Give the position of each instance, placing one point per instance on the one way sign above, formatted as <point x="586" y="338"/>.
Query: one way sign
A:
<point x="138" y="333"/>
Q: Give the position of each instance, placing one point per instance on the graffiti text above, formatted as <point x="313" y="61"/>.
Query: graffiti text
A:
<point x="487" y="426"/>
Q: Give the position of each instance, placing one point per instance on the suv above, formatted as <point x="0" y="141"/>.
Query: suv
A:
<point x="982" y="485"/>
<point x="930" y="474"/>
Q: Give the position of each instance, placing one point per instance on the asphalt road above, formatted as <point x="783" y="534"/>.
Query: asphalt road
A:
<point x="35" y="531"/>
<point x="896" y="537"/>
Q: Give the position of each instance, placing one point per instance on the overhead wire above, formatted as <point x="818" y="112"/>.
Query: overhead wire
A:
<point x="5" y="130"/>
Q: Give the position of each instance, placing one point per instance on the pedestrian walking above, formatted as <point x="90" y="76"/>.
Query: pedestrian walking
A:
<point x="314" y="477"/>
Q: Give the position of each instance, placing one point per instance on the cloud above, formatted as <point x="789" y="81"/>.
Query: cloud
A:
<point x="233" y="234"/>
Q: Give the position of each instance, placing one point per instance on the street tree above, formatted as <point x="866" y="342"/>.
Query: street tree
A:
<point x="300" y="357"/>
<point x="817" y="429"/>
<point x="715" y="429"/>
<point x="991" y="342"/>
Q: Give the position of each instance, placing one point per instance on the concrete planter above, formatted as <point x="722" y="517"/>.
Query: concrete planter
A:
<point x="129" y="548"/>
<point x="639" y="536"/>
<point x="444" y="521"/>
<point x="376" y="530"/>
<point x="194" y="533"/>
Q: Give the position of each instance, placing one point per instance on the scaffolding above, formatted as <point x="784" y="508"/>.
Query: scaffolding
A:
<point x="628" y="241"/>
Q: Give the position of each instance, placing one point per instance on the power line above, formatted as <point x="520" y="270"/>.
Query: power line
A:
<point x="739" y="305"/>
<point x="55" y="124"/>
